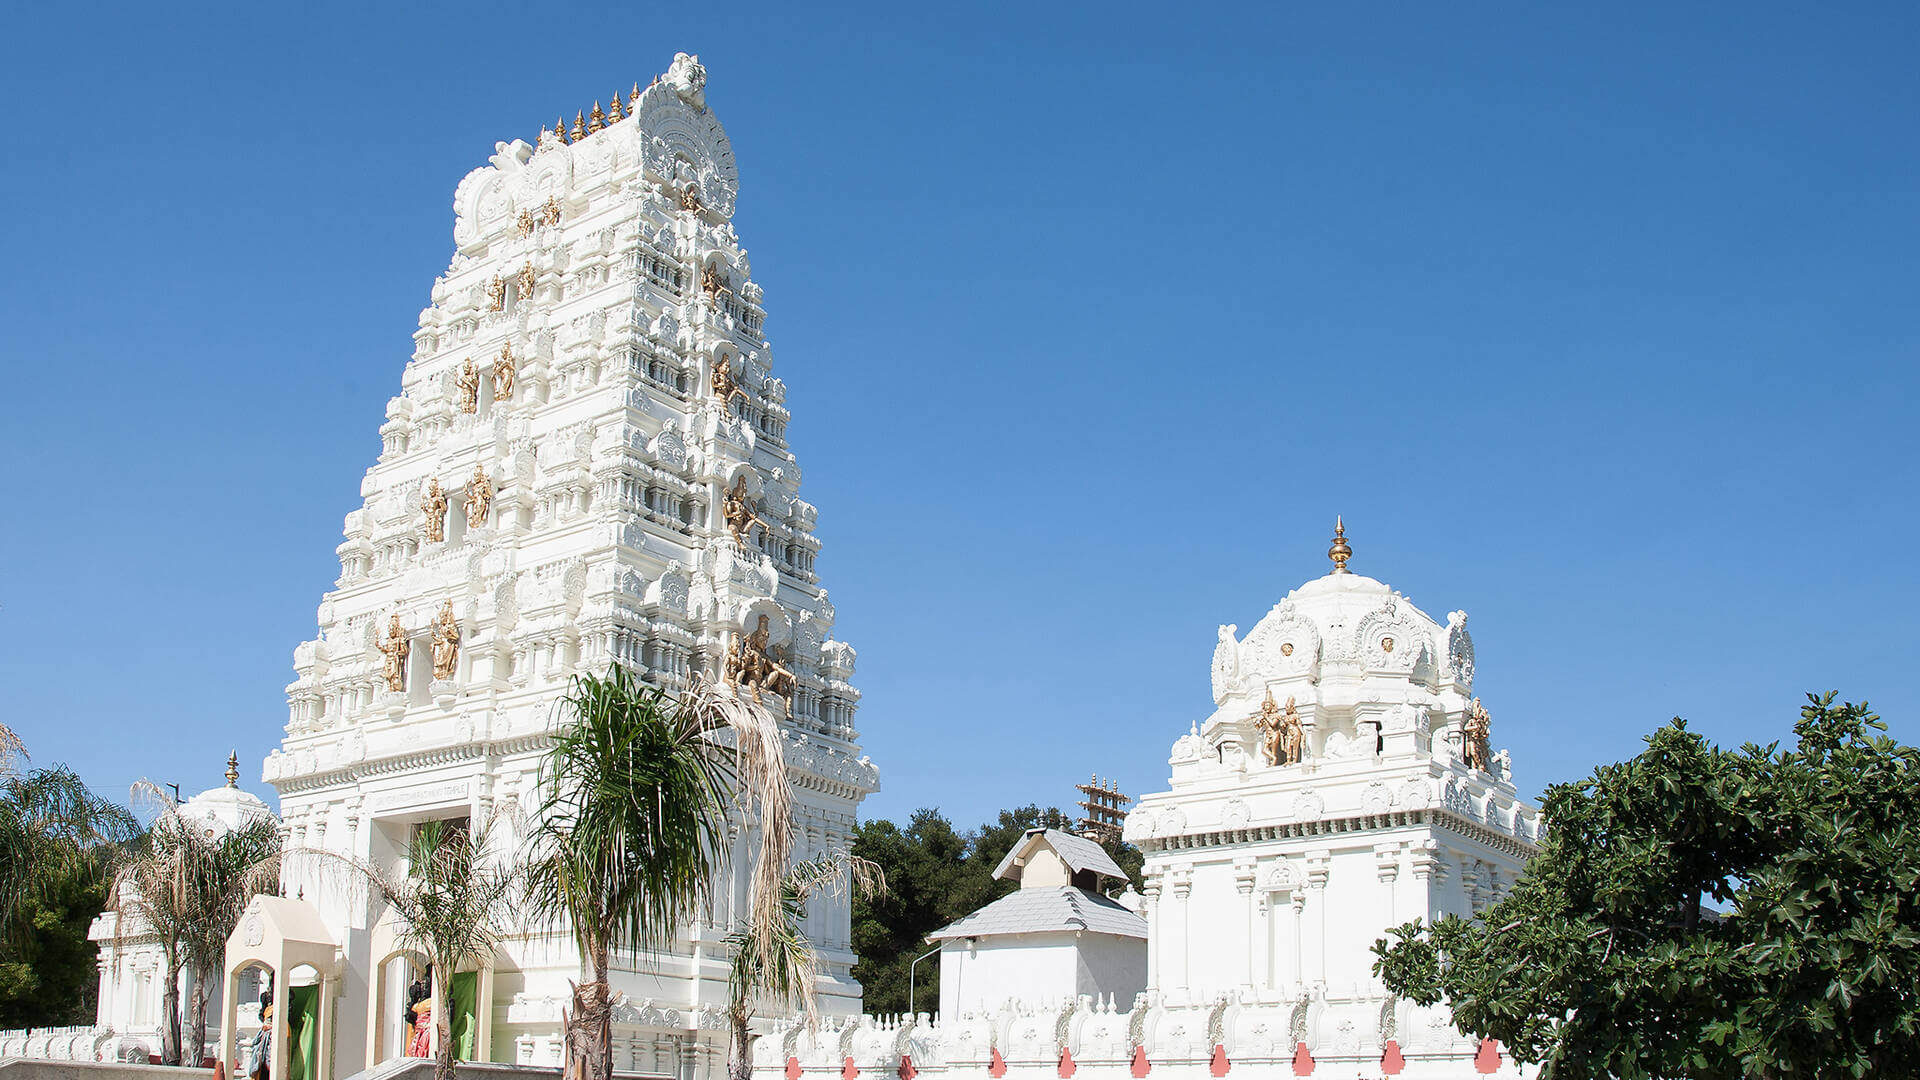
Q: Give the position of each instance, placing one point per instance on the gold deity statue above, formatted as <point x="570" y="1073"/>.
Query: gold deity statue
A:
<point x="1475" y="732"/>
<point x="690" y="198"/>
<point x="434" y="505"/>
<point x="524" y="224"/>
<point x="725" y="386"/>
<point x="736" y="509"/>
<point x="503" y="375"/>
<point x="713" y="283"/>
<point x="550" y="212"/>
<point x="469" y="383"/>
<point x="1282" y="734"/>
<point x="446" y="642"/>
<point x="753" y="664"/>
<point x="479" y="498"/>
<point x="526" y="281"/>
<point x="395" y="648"/>
<point x="497" y="294"/>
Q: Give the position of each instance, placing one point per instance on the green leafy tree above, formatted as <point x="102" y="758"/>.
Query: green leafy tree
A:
<point x="58" y="842"/>
<point x="632" y="827"/>
<point x="935" y="876"/>
<point x="1704" y="914"/>
<point x="779" y="969"/>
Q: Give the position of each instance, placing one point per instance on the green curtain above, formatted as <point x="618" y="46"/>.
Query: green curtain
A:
<point x="462" y="1004"/>
<point x="303" y="1032"/>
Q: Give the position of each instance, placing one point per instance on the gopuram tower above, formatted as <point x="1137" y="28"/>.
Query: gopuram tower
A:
<point x="587" y="464"/>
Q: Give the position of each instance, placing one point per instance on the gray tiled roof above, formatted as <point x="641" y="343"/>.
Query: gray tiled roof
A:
<point x="1035" y="911"/>
<point x="1078" y="852"/>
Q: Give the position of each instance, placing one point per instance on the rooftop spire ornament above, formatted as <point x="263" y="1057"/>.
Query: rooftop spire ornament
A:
<point x="596" y="119"/>
<point x="614" y="112"/>
<point x="633" y="102"/>
<point x="579" y="126"/>
<point x="1340" y="552"/>
<point x="233" y="769"/>
<point x="560" y="128"/>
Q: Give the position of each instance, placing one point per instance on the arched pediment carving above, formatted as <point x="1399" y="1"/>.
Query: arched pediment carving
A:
<point x="1283" y="644"/>
<point x="1389" y="639"/>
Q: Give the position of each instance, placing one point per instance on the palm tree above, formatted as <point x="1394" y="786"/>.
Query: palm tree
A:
<point x="632" y="827"/>
<point x="454" y="905"/>
<point x="153" y="887"/>
<point x="227" y="871"/>
<point x="783" y="966"/>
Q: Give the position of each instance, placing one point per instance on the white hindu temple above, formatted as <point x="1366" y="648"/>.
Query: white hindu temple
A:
<point x="587" y="463"/>
<point x="1343" y="784"/>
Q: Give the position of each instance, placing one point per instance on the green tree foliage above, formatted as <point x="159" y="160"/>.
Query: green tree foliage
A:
<point x="58" y="843"/>
<point x="1702" y="913"/>
<point x="935" y="875"/>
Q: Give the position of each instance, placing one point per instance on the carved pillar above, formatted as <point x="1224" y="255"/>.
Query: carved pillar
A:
<point x="1182" y="890"/>
<point x="1243" y="878"/>
<point x="1319" y="868"/>
<point x="1156" y="932"/>
<point x="1386" y="867"/>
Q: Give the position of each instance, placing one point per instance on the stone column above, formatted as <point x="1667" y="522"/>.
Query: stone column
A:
<point x="1319" y="868"/>
<point x="1243" y="877"/>
<point x="1386" y="866"/>
<point x="1156" y="932"/>
<point x="1182" y="890"/>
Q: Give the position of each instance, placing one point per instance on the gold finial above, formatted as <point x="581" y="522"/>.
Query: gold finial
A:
<point x="560" y="129"/>
<point x="633" y="103"/>
<point x="579" y="126"/>
<point x="596" y="119"/>
<point x="233" y="769"/>
<point x="613" y="109"/>
<point x="1340" y="552"/>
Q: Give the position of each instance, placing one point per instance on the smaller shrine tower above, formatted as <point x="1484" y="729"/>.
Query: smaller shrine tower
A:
<point x="1344" y="784"/>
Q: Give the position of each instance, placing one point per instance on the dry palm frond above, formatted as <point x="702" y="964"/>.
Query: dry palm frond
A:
<point x="10" y="748"/>
<point x="762" y="789"/>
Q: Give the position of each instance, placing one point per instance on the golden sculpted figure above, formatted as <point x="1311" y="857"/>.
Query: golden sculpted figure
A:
<point x="725" y="386"/>
<point x="550" y="213"/>
<point x="479" y="498"/>
<point x="1281" y="731"/>
<point x="503" y="375"/>
<point x="526" y="281"/>
<point x="469" y="383"/>
<point x="524" y="223"/>
<point x="497" y="294"/>
<point x="690" y="198"/>
<point x="1478" y="728"/>
<point x="736" y="508"/>
<point x="753" y="664"/>
<point x="434" y="505"/>
<point x="712" y="282"/>
<point x="395" y="647"/>
<point x="446" y="642"/>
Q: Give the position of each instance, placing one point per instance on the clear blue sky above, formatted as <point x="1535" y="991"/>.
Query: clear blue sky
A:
<point x="1600" y="325"/>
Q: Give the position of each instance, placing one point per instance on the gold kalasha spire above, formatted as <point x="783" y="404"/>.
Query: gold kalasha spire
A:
<point x="633" y="103"/>
<point x="1340" y="552"/>
<point x="596" y="119"/>
<point x="579" y="126"/>
<point x="560" y="128"/>
<point x="614" y="114"/>
<point x="233" y="769"/>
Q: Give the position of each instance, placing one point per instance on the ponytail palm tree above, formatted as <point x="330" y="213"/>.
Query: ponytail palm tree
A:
<point x="228" y="869"/>
<point x="453" y="903"/>
<point x="781" y="967"/>
<point x="631" y="831"/>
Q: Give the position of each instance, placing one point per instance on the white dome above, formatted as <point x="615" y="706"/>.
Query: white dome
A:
<point x="225" y="808"/>
<point x="1343" y="623"/>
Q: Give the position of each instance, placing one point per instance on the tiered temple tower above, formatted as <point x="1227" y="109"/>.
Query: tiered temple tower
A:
<point x="587" y="464"/>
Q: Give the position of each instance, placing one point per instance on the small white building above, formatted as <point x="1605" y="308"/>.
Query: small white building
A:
<point x="133" y="975"/>
<point x="1056" y="937"/>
